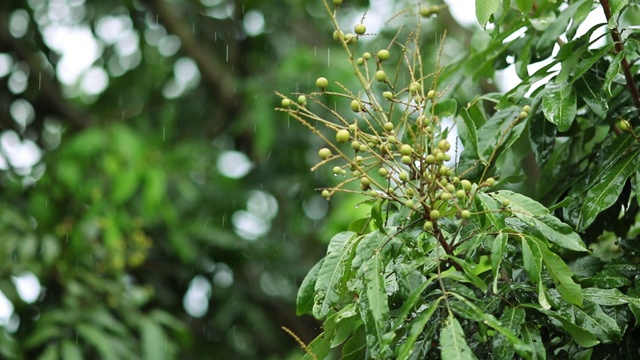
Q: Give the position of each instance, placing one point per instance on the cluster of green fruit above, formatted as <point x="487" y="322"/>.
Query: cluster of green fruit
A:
<point x="398" y="156"/>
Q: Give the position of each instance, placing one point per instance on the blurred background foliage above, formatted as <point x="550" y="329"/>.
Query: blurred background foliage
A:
<point x="154" y="205"/>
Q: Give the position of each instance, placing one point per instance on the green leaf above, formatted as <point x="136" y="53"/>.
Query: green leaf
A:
<point x="470" y="273"/>
<point x="532" y="259"/>
<point x="612" y="72"/>
<point x="519" y="203"/>
<point x="559" y="104"/>
<point x="152" y="335"/>
<point x="328" y="285"/>
<point x="607" y="188"/>
<point x="591" y="318"/>
<point x="592" y="93"/>
<point x="453" y="343"/>
<point x="51" y="353"/>
<point x="542" y="137"/>
<point x="70" y="351"/>
<point x="606" y="297"/>
<point x="446" y="108"/>
<point x="377" y="293"/>
<point x="531" y="335"/>
<point x="561" y="275"/>
<point x="484" y="10"/>
<point x="581" y="336"/>
<point x="307" y="291"/>
<point x="319" y="347"/>
<point x="406" y="349"/>
<point x="376" y="215"/>
<point x="497" y="251"/>
<point x="616" y="7"/>
<point x="467" y="132"/>
<point x="525" y="5"/>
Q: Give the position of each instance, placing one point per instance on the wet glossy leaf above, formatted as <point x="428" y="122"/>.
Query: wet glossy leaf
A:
<point x="497" y="252"/>
<point x="71" y="351"/>
<point x="377" y="293"/>
<point x="319" y="347"/>
<point x="592" y="93"/>
<point x="591" y="318"/>
<point x="417" y="326"/>
<point x="152" y="335"/>
<point x="484" y="10"/>
<point x="607" y="297"/>
<point x="606" y="188"/>
<point x="559" y="104"/>
<point x="328" y="284"/>
<point x="467" y="132"/>
<point x="612" y="72"/>
<point x="519" y="203"/>
<point x="532" y="259"/>
<point x="561" y="275"/>
<point x="531" y="335"/>
<point x="542" y="137"/>
<point x="453" y="343"/>
<point x="524" y="5"/>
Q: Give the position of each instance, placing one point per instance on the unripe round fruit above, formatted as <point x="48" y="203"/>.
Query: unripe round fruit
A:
<point x="427" y="11"/>
<point x="337" y="35"/>
<point x="337" y="2"/>
<point x="409" y="192"/>
<point x="523" y="115"/>
<point x="406" y="160"/>
<point x="381" y="75"/>
<point x="408" y="203"/>
<point x="445" y="196"/>
<point x="403" y="176"/>
<point x="460" y="194"/>
<point x="387" y="95"/>
<point x="388" y="126"/>
<point x="286" y="102"/>
<point x="326" y="194"/>
<point x="414" y="87"/>
<point x="428" y="226"/>
<point x="391" y="139"/>
<point x="466" y="184"/>
<point x="322" y="83"/>
<point x="383" y="172"/>
<point x="384" y="55"/>
<point x="406" y="149"/>
<point x="440" y="156"/>
<point x="450" y="188"/>
<point x="355" y="106"/>
<point x="465" y="214"/>
<point x="431" y="94"/>
<point x="526" y="108"/>
<point x="624" y="125"/>
<point x="491" y="181"/>
<point x="324" y="153"/>
<point x="359" y="160"/>
<point x="447" y="157"/>
<point x="350" y="38"/>
<point x="373" y="193"/>
<point x="421" y="120"/>
<point x="302" y="99"/>
<point x="365" y="182"/>
<point x="355" y="145"/>
<point x="506" y="202"/>
<point x="342" y="136"/>
<point x="444" y="145"/>
<point x="434" y="215"/>
<point x="337" y="170"/>
<point x="443" y="182"/>
<point x="360" y="29"/>
<point x="430" y="159"/>
<point x="360" y="61"/>
<point x="366" y="55"/>
<point x="352" y="127"/>
<point x="363" y="148"/>
<point x="443" y="170"/>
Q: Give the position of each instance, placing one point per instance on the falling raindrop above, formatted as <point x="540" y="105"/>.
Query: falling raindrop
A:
<point x="227" y="54"/>
<point x="39" y="80"/>
<point x="328" y="57"/>
<point x="163" y="133"/>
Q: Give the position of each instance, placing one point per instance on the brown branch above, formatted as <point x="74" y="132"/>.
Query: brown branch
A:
<point x="48" y="88"/>
<point x="215" y="73"/>
<point x="619" y="45"/>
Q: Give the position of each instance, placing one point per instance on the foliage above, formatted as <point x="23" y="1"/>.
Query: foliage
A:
<point x="524" y="243"/>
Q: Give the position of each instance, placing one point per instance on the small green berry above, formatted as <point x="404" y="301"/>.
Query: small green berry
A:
<point x="337" y="2"/>
<point x="326" y="194"/>
<point x="355" y="106"/>
<point x="430" y="159"/>
<point x="324" y="153"/>
<point x="490" y="181"/>
<point x="362" y="148"/>
<point x="431" y="94"/>
<point x="359" y="160"/>
<point x="406" y="149"/>
<point x="384" y="55"/>
<point x="526" y="108"/>
<point x="445" y="196"/>
<point x="383" y="172"/>
<point x="337" y="35"/>
<point x="366" y="56"/>
<point x="322" y="83"/>
<point x="355" y="145"/>
<point x="350" y="38"/>
<point x="360" y="61"/>
<point x="506" y="202"/>
<point x="388" y="126"/>
<point x="342" y="136"/>
<point x="302" y="99"/>
<point x="409" y="192"/>
<point x="381" y="75"/>
<point x="337" y="170"/>
<point x="406" y="160"/>
<point x="450" y="188"/>
<point x="286" y="102"/>
<point x="403" y="176"/>
<point x="365" y="182"/>
<point x="444" y="145"/>
<point x="465" y="214"/>
<point x="428" y="226"/>
<point x="387" y="95"/>
<point x="460" y="194"/>
<point x="624" y="125"/>
<point x="434" y="215"/>
<point x="466" y="184"/>
<point x="408" y="203"/>
<point x="391" y="139"/>
<point x="523" y="115"/>
<point x="360" y="29"/>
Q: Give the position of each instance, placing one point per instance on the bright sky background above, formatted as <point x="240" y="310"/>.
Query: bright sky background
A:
<point x="79" y="50"/>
